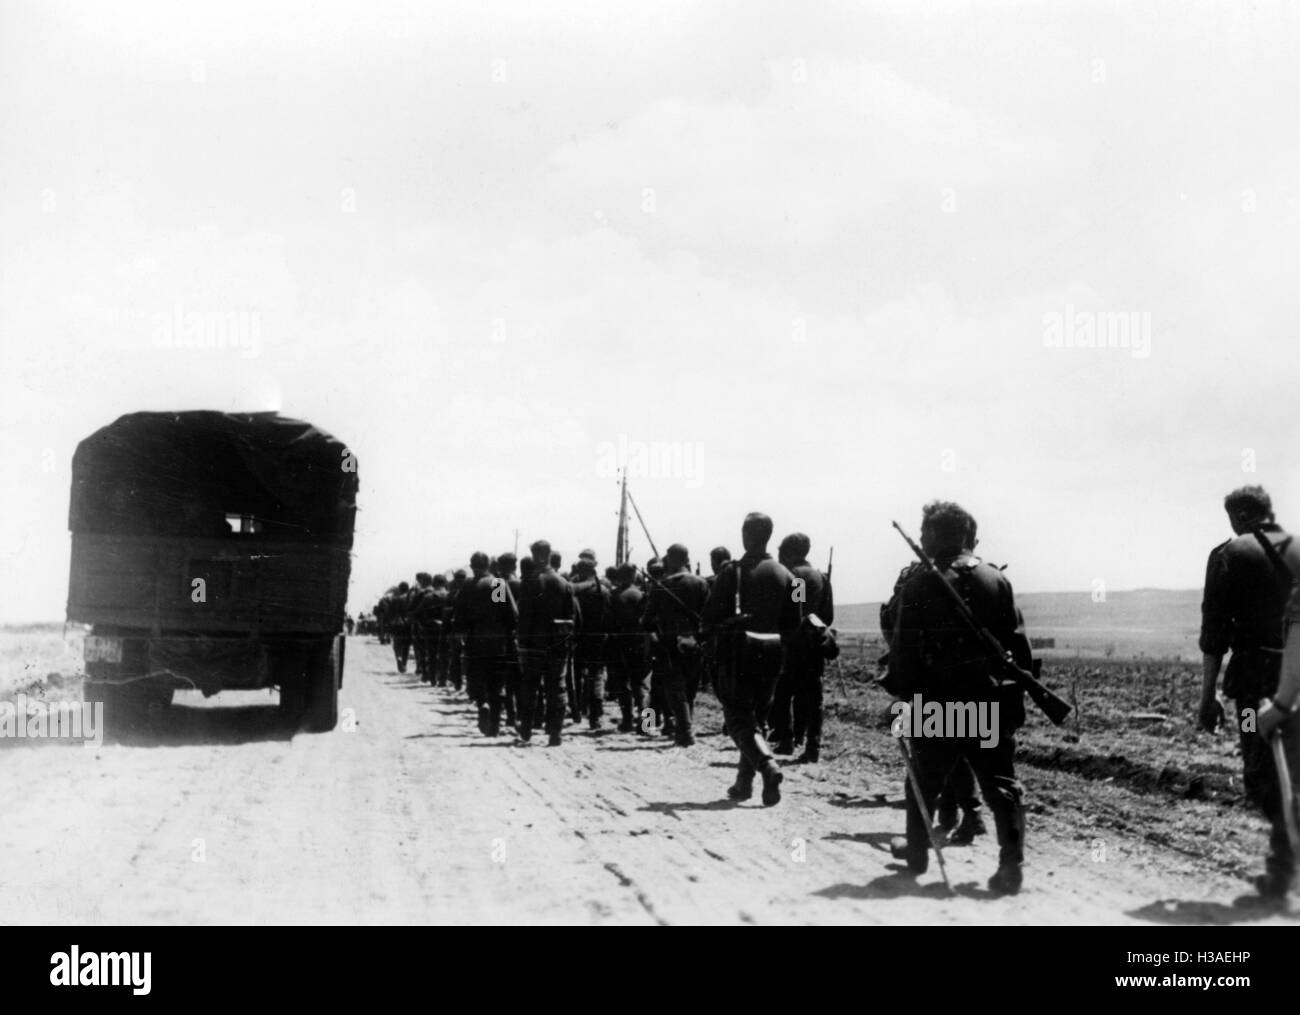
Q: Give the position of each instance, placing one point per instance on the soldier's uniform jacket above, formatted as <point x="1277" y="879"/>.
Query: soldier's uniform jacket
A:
<point x="545" y="597"/>
<point x="1245" y="595"/>
<point x="934" y="653"/>
<point x="665" y="615"/>
<point x="817" y="595"/>
<point x="765" y="596"/>
<point x="396" y="610"/>
<point x="593" y="595"/>
<point x="625" y="607"/>
<point x="1243" y="611"/>
<point x="486" y="615"/>
<point x="426" y="605"/>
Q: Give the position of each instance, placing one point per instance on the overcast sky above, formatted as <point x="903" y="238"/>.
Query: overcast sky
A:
<point x="815" y="251"/>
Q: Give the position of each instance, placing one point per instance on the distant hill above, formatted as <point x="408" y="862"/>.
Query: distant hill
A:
<point x="1148" y="622"/>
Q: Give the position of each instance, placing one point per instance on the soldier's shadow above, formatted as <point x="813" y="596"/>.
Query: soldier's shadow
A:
<point x="903" y="884"/>
<point x="878" y="800"/>
<point x="880" y="840"/>
<point x="671" y="809"/>
<point x="1196" y="911"/>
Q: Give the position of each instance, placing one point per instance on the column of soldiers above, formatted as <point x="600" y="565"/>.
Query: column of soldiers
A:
<point x="546" y="649"/>
<point x="540" y="646"/>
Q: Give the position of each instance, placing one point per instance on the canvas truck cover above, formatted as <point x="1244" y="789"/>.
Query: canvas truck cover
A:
<point x="183" y="473"/>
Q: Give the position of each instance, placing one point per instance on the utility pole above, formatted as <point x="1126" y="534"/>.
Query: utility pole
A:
<point x="621" y="551"/>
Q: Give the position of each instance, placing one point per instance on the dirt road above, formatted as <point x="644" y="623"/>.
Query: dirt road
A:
<point x="406" y="814"/>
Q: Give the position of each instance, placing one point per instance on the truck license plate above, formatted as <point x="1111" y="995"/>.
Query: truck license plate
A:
<point x="103" y="650"/>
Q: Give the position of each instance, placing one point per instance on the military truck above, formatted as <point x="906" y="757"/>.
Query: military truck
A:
<point x="211" y="551"/>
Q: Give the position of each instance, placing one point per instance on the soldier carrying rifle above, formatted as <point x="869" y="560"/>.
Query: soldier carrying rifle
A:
<point x="959" y="637"/>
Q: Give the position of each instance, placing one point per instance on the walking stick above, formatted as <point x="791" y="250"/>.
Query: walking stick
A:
<point x="920" y="800"/>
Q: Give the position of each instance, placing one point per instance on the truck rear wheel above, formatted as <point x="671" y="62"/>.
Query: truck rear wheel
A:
<point x="290" y="675"/>
<point x="128" y="707"/>
<point x="324" y="670"/>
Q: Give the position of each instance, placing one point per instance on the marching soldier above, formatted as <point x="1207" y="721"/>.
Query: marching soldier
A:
<point x="381" y="616"/>
<point x="799" y="691"/>
<point x="1243" y="612"/>
<point x="425" y="610"/>
<point x="753" y="607"/>
<point x="486" y="618"/>
<point x="452" y="640"/>
<point x="506" y="564"/>
<point x="672" y="616"/>
<point x="548" y="616"/>
<point x="718" y="558"/>
<point x="399" y="624"/>
<point x="958" y="810"/>
<point x="628" y="658"/>
<point x="589" y="651"/>
<point x="933" y="654"/>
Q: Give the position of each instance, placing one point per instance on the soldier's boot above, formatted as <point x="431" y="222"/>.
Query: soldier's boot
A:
<point x="972" y="824"/>
<point x="917" y="858"/>
<point x="554" y="740"/>
<point x="784" y="744"/>
<point x="772" y="779"/>
<point x="484" y="719"/>
<point x="946" y="814"/>
<point x="743" y="787"/>
<point x="1007" y="879"/>
<point x="628" y="723"/>
<point x="812" y="753"/>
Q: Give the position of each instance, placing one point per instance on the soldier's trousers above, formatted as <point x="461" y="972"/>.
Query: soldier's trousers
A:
<point x="959" y="791"/>
<point x="456" y="665"/>
<point x="680" y="675"/>
<point x="746" y="681"/>
<point x="543" y="674"/>
<point x="442" y="664"/>
<point x="627" y="671"/>
<point x="661" y="714"/>
<point x="486" y="680"/>
<point x="512" y="680"/>
<point x="424" y="644"/>
<point x="1264" y="790"/>
<point x="589" y="676"/>
<point x="796" y="712"/>
<point x="935" y="758"/>
<point x="401" y="647"/>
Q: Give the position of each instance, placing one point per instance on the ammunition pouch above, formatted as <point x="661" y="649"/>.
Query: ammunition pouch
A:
<point x="817" y="638"/>
<point x="1252" y="673"/>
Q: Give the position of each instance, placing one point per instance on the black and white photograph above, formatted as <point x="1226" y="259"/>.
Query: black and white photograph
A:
<point x="655" y="463"/>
